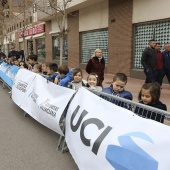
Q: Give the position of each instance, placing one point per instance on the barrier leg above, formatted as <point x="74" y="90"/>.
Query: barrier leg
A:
<point x="25" y="114"/>
<point x="64" y="147"/>
<point x="62" y="142"/>
<point x="3" y="85"/>
<point x="62" y="125"/>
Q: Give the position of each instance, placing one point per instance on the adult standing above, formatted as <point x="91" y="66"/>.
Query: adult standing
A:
<point x="2" y="55"/>
<point x="166" y="61"/>
<point x="148" y="62"/>
<point x="13" y="53"/>
<point x="159" y="64"/>
<point x="96" y="65"/>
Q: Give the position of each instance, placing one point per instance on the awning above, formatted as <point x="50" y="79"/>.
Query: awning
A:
<point x="54" y="32"/>
<point x="29" y="37"/>
<point x="39" y="35"/>
<point x="20" y="39"/>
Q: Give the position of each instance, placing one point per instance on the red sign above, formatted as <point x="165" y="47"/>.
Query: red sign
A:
<point x="33" y="30"/>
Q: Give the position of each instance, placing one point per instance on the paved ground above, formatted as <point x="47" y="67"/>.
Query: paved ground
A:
<point x="25" y="144"/>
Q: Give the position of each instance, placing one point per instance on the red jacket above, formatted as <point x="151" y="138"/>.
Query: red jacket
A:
<point x="159" y="61"/>
<point x="97" y="66"/>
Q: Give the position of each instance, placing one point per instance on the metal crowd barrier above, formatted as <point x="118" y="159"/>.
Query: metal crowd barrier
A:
<point x="5" y="85"/>
<point x="138" y="108"/>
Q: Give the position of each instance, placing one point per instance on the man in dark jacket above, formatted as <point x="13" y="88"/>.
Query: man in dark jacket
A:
<point x="13" y="53"/>
<point x="166" y="61"/>
<point x="2" y="55"/>
<point x="148" y="62"/>
<point x="159" y="64"/>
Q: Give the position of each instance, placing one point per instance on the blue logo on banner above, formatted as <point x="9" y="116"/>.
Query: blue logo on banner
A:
<point x="8" y="73"/>
<point x="129" y="156"/>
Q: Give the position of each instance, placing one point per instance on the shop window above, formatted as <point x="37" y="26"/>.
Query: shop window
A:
<point x="158" y="30"/>
<point x="6" y="49"/>
<point x="21" y="45"/>
<point x="30" y="20"/>
<point x="30" y="47"/>
<point x="40" y="44"/>
<point x="56" y="48"/>
<point x="91" y="41"/>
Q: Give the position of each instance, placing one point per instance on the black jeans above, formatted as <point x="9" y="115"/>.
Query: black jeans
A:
<point x="166" y="72"/>
<point x="159" y="76"/>
<point x="150" y="75"/>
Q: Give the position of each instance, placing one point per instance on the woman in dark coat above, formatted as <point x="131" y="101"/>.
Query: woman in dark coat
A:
<point x="96" y="65"/>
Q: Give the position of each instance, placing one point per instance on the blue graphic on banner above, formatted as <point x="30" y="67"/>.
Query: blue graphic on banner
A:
<point x="130" y="156"/>
<point x="8" y="73"/>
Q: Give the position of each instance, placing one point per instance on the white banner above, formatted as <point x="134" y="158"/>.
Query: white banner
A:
<point x="23" y="82"/>
<point x="103" y="136"/>
<point x="43" y="101"/>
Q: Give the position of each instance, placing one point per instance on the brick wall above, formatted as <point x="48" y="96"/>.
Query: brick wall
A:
<point x="120" y="36"/>
<point x="73" y="40"/>
<point x="16" y="41"/>
<point x="48" y="42"/>
<point x="34" y="46"/>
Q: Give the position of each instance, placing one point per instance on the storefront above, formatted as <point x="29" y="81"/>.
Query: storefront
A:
<point x="40" y="47"/>
<point x="36" y="33"/>
<point x="56" y="48"/>
<point x="92" y="40"/>
<point x="158" y="30"/>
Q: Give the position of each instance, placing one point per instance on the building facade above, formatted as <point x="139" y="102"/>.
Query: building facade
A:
<point x="120" y="28"/>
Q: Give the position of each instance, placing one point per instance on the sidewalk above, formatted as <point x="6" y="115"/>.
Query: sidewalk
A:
<point x="134" y="86"/>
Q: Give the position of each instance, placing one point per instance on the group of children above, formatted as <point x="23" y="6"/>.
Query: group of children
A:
<point x="148" y="95"/>
<point x="63" y="76"/>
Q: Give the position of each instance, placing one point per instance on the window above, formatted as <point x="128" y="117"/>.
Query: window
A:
<point x="34" y="6"/>
<point x="30" y="47"/>
<point x="91" y="41"/>
<point x="30" y="20"/>
<point x="21" y="45"/>
<point x="15" y="2"/>
<point x="56" y="48"/>
<point x="40" y="43"/>
<point x="47" y="3"/>
<point x="158" y="30"/>
<point x="6" y="49"/>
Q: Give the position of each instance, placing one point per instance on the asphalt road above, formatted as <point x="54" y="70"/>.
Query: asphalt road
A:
<point x="25" y="144"/>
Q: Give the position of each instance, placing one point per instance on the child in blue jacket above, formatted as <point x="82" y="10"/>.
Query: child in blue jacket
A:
<point x="117" y="87"/>
<point x="64" y="76"/>
<point x="52" y="72"/>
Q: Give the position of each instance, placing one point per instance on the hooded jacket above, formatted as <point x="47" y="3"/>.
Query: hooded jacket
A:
<point x="124" y="94"/>
<point x="64" y="80"/>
